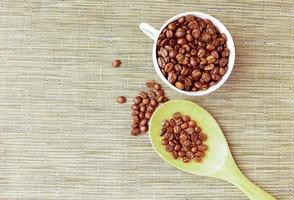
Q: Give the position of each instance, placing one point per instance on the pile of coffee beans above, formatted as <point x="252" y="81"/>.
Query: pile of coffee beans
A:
<point x="144" y="106"/>
<point x="192" y="53"/>
<point x="183" y="138"/>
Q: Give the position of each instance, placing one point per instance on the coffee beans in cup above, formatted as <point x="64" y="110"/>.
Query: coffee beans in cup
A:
<point x="192" y="53"/>
<point x="144" y="105"/>
<point x="183" y="138"/>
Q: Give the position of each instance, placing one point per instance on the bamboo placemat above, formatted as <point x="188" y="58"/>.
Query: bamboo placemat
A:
<point x="63" y="136"/>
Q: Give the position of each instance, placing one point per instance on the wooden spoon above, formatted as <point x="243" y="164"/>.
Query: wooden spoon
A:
<point x="218" y="161"/>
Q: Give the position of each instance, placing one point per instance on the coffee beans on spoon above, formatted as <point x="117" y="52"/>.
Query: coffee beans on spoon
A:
<point x="192" y="54"/>
<point x="183" y="138"/>
<point x="144" y="106"/>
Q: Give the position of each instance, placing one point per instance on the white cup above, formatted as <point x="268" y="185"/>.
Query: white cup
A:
<point x="153" y="34"/>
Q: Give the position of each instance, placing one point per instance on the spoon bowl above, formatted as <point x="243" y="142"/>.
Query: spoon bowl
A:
<point x="218" y="161"/>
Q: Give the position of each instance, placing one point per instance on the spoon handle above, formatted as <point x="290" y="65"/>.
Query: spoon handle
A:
<point x="234" y="175"/>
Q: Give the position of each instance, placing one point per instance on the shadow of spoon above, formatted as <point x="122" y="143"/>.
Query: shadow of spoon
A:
<point x="218" y="161"/>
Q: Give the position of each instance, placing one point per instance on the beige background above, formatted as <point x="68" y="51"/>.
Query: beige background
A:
<point x="63" y="136"/>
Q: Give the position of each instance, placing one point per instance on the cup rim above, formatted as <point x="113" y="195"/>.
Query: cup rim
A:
<point x="230" y="44"/>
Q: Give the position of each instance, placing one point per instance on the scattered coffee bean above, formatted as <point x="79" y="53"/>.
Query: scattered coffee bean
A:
<point x="122" y="99"/>
<point x="144" y="106"/>
<point x="192" y="54"/>
<point x="181" y="139"/>
<point x="116" y="63"/>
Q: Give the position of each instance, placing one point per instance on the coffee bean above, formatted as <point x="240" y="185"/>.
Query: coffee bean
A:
<point x="202" y="147"/>
<point x="175" y="155"/>
<point x="182" y="41"/>
<point x="194" y="149"/>
<point x="116" y="63"/>
<point x="177" y="147"/>
<point x="184" y="125"/>
<point x="210" y="47"/>
<point x="180" y="85"/>
<point x="169" y="34"/>
<point x="199" y="142"/>
<point x="200" y="154"/>
<point x="192" y="123"/>
<point x="225" y="53"/>
<point x="197" y="159"/>
<point x="190" y="130"/>
<point x="172" y="26"/>
<point x="121" y="99"/>
<point x="186" y="159"/>
<point x="190" y="154"/>
<point x="223" y="62"/>
<point x="137" y="100"/>
<point x="180" y="32"/>
<point x="196" y="33"/>
<point x="169" y="148"/>
<point x="135" y="131"/>
<point x="164" y="141"/>
<point x="221" y="71"/>
<point x="141" y="115"/>
<point x="197" y="129"/>
<point x="143" y="129"/>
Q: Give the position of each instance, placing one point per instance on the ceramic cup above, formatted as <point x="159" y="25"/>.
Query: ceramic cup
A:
<point x="154" y="34"/>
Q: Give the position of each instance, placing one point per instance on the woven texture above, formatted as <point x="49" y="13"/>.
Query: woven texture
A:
<point x="63" y="136"/>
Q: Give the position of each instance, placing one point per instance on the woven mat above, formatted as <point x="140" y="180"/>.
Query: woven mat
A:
<point x="63" y="136"/>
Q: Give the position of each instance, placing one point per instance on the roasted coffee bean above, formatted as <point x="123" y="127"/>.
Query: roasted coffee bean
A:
<point x="143" y="129"/>
<point x="164" y="141"/>
<point x="116" y="63"/>
<point x="182" y="41"/>
<point x="186" y="159"/>
<point x="180" y="85"/>
<point x="194" y="149"/>
<point x="135" y="131"/>
<point x="180" y="32"/>
<point x="175" y="155"/>
<point x="169" y="33"/>
<point x="192" y="123"/>
<point x="121" y="99"/>
<point x="196" y="33"/>
<point x="202" y="147"/>
<point x="223" y="62"/>
<point x="210" y="47"/>
<point x="190" y="154"/>
<point x="183" y="137"/>
<point x="137" y="100"/>
<point x="136" y="118"/>
<point x="182" y="154"/>
<point x="209" y="67"/>
<point x="199" y="142"/>
<point x="169" y="148"/>
<point x="194" y="137"/>
<point x="200" y="154"/>
<point x="148" y="115"/>
<point x="225" y="53"/>
<point x="205" y="77"/>
<point x="177" y="147"/>
<point x="197" y="129"/>
<point x="222" y="71"/>
<point x="197" y="159"/>
<point x="184" y="125"/>
<point x="190" y="130"/>
<point x="141" y="115"/>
